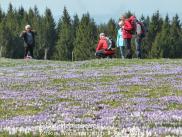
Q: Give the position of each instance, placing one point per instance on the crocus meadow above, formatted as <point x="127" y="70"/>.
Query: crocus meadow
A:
<point x="105" y="97"/>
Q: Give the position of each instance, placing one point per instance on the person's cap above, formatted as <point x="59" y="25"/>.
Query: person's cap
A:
<point x="101" y="34"/>
<point x="27" y="27"/>
<point x="132" y="18"/>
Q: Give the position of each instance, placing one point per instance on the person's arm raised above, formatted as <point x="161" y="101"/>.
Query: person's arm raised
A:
<point x="22" y="34"/>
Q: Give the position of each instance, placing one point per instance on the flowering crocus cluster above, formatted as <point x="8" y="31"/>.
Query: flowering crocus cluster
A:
<point x="97" y="97"/>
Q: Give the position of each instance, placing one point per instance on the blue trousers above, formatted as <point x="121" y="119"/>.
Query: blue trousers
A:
<point x="122" y="51"/>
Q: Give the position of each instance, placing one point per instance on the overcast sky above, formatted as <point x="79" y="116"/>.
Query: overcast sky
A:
<point x="101" y="10"/>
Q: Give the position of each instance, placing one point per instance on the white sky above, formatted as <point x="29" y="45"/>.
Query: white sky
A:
<point x="100" y="10"/>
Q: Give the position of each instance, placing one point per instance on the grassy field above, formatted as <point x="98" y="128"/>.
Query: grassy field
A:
<point x="106" y="97"/>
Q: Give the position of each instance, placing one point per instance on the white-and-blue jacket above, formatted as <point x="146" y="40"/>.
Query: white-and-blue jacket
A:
<point x="120" y="41"/>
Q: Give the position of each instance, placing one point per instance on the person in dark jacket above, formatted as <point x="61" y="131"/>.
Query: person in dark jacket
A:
<point x="140" y="34"/>
<point x="28" y="36"/>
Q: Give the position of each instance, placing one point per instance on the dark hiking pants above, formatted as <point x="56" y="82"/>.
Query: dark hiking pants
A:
<point x="100" y="54"/>
<point x="28" y="49"/>
<point x="128" y="48"/>
<point x="138" y="42"/>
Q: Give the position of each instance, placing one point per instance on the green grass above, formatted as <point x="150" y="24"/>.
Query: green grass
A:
<point x="9" y="109"/>
<point x="64" y="84"/>
<point x="162" y="91"/>
<point x="112" y="103"/>
<point x="50" y="134"/>
<point x="107" y="63"/>
<point x="19" y="86"/>
<point x="174" y="106"/>
<point x="95" y="63"/>
<point x="64" y="81"/>
<point x="174" y="124"/>
<point x="147" y="91"/>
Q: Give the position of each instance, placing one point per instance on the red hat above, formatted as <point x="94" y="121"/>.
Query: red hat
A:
<point x="132" y="18"/>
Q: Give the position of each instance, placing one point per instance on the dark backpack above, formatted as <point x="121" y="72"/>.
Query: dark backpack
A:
<point x="143" y="29"/>
<point x="133" y="30"/>
<point x="112" y="43"/>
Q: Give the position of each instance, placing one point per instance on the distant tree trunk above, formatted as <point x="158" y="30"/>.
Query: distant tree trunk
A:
<point x="1" y="48"/>
<point x="45" y="53"/>
<point x="72" y="56"/>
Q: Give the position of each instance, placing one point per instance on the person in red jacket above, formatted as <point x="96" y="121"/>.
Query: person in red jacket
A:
<point x="127" y="34"/>
<point x="102" y="49"/>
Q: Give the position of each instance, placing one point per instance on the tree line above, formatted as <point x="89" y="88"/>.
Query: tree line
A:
<point x="74" y="38"/>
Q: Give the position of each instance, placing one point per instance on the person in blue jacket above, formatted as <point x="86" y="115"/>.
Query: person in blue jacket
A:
<point x="120" y="41"/>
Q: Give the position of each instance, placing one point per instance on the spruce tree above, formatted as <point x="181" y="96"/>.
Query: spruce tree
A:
<point x="166" y="38"/>
<point x="64" y="45"/>
<point x="146" y="22"/>
<point x="17" y="41"/>
<point x="155" y="26"/>
<point x="85" y="42"/>
<point x="20" y="15"/>
<point x="4" y="39"/>
<point x="111" y="31"/>
<point x="102" y="28"/>
<point x="162" y="43"/>
<point x="11" y="26"/>
<point x="49" y="34"/>
<point x="2" y="33"/>
<point x="37" y="23"/>
<point x="75" y="23"/>
<point x="1" y="15"/>
<point x="175" y="38"/>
